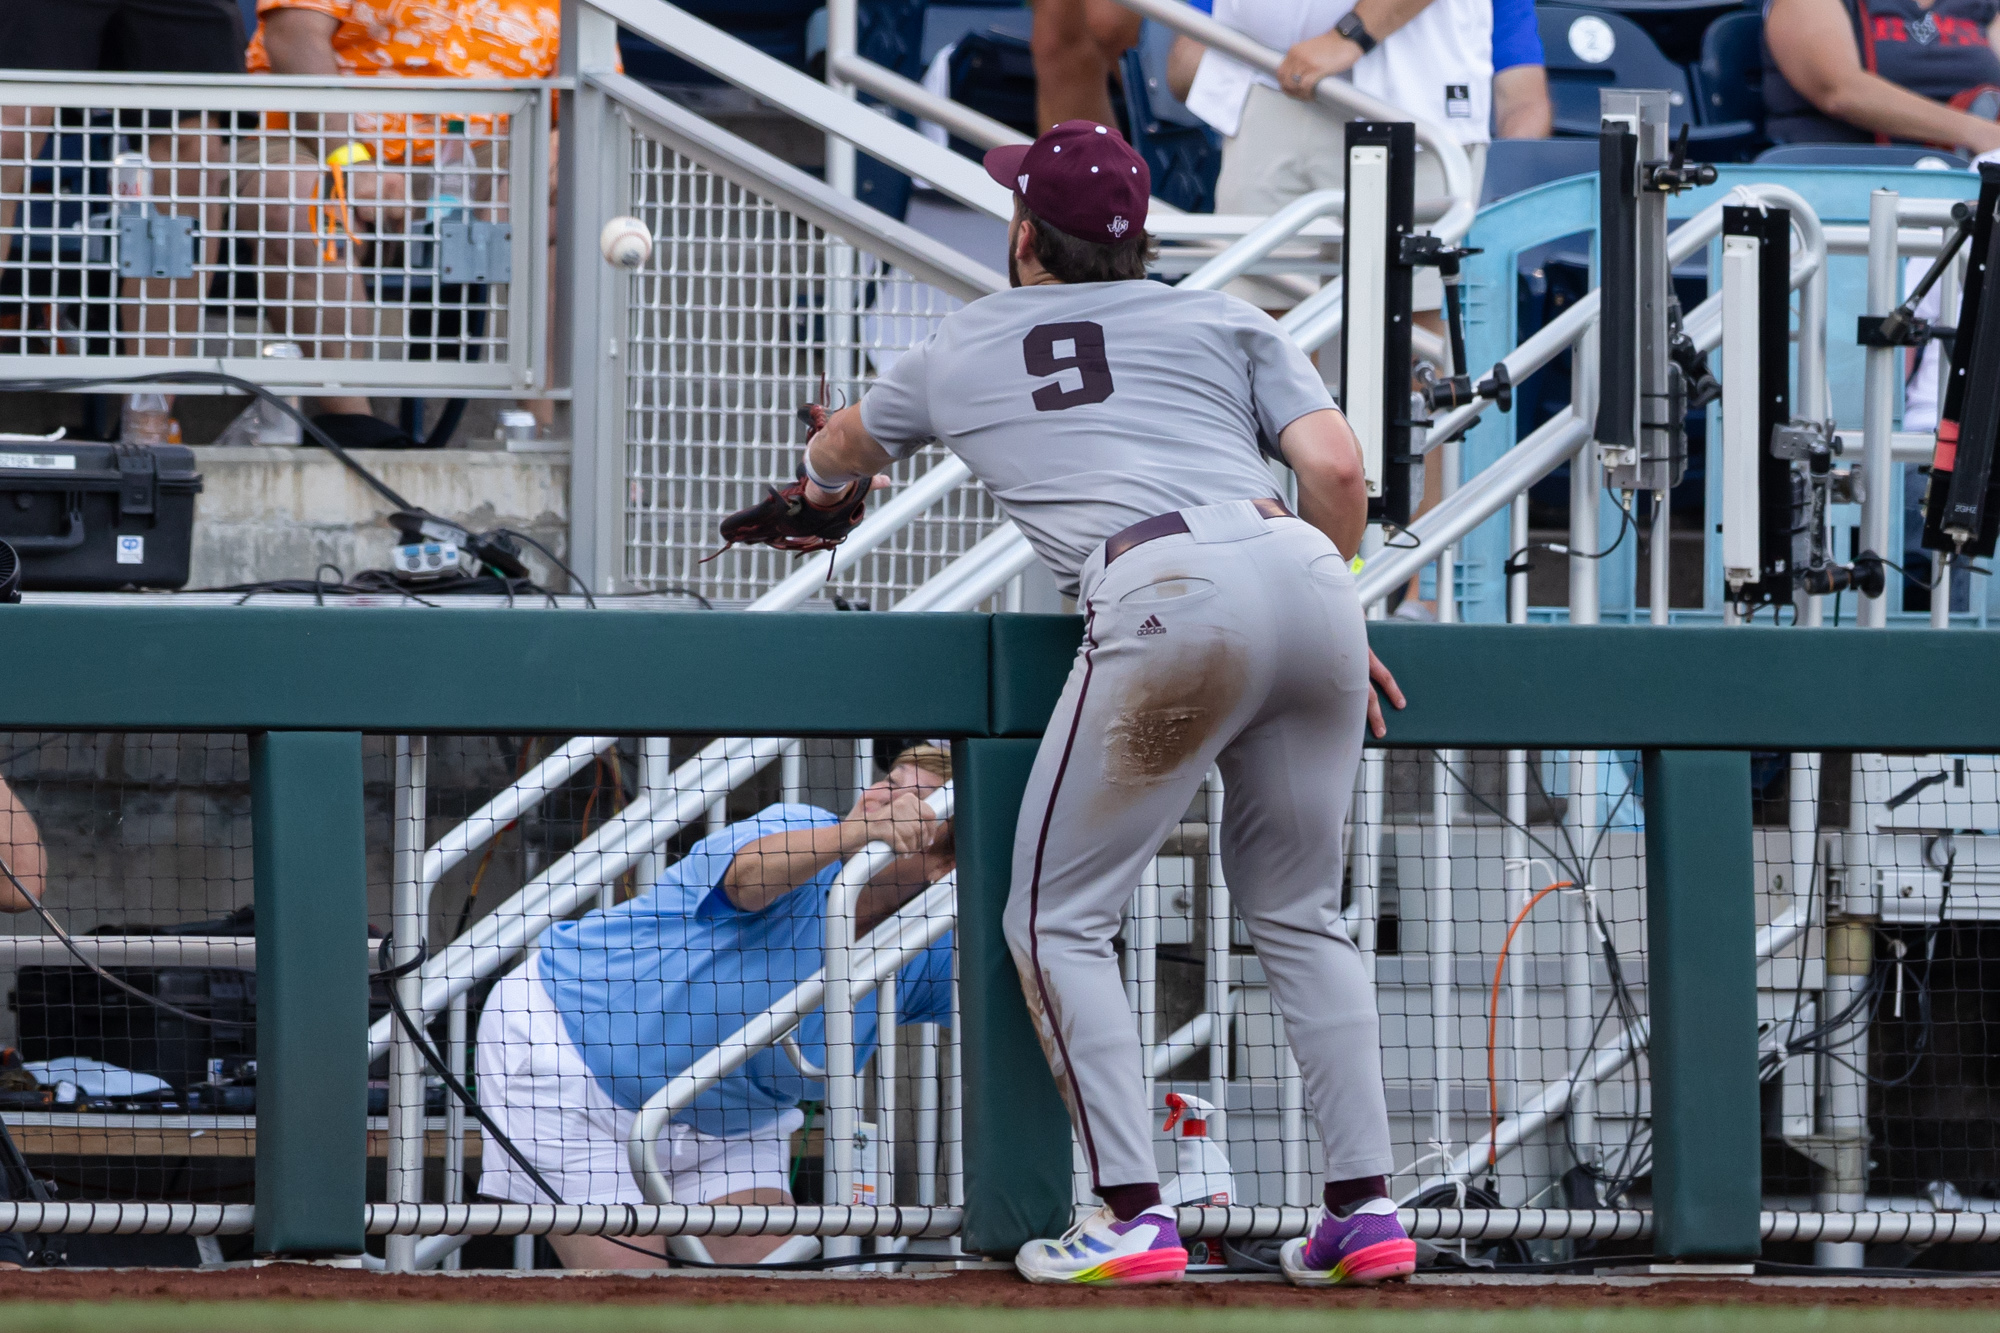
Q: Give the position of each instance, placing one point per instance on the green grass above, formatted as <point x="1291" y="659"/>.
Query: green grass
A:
<point x="359" y="1317"/>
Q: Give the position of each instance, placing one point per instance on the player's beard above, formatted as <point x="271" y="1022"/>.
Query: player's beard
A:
<point x="1013" y="240"/>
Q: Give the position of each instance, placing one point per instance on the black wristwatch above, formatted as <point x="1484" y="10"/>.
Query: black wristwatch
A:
<point x="1354" y="30"/>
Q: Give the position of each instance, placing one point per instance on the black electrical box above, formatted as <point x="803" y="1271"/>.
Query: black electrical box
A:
<point x="89" y="517"/>
<point x="61" y="1011"/>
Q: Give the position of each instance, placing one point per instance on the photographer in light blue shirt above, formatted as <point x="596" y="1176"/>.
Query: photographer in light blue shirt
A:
<point x="616" y="1004"/>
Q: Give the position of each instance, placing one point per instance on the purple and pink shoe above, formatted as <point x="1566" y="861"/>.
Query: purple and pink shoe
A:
<point x="1367" y="1246"/>
<point x="1102" y="1251"/>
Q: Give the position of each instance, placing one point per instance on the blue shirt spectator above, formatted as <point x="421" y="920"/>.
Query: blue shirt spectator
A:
<point x="647" y="987"/>
<point x="1521" y="106"/>
<point x="1517" y="40"/>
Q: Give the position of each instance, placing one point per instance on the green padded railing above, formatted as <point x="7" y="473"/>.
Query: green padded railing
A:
<point x="308" y="683"/>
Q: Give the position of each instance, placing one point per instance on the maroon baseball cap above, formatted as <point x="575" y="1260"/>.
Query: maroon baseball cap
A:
<point x="1081" y="176"/>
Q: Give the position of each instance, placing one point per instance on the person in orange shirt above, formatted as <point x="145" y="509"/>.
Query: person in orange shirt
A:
<point x="188" y="176"/>
<point x="469" y="39"/>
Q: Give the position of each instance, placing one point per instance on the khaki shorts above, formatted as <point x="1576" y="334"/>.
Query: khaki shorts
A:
<point x="1285" y="148"/>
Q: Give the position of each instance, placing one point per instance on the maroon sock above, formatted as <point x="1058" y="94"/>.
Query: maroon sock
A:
<point x="1342" y="1195"/>
<point x="1128" y="1201"/>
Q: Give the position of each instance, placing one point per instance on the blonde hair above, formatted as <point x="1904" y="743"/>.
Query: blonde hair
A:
<point x="932" y="759"/>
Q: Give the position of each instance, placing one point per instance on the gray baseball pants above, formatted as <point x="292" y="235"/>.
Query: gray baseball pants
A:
<point x="1239" y="643"/>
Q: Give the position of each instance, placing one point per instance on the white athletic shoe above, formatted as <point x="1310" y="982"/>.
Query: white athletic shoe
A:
<point x="1102" y="1251"/>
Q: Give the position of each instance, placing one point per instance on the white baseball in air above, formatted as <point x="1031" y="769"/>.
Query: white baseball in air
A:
<point x="625" y="242"/>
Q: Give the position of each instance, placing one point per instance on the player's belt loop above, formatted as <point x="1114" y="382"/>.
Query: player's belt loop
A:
<point x="1169" y="524"/>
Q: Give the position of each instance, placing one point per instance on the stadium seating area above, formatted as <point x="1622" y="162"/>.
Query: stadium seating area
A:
<point x="1707" y="54"/>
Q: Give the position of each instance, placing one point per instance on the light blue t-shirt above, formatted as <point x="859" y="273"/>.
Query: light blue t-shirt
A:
<point x="651" y="985"/>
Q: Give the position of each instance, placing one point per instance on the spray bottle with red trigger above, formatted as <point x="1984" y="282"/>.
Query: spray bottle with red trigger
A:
<point x="1205" y="1175"/>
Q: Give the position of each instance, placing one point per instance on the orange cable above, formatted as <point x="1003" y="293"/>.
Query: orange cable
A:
<point x="1493" y="1018"/>
<point x="596" y="781"/>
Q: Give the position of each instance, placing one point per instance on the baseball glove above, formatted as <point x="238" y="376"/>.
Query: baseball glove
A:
<point x="785" y="519"/>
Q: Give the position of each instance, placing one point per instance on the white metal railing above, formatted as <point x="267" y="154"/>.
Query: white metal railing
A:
<point x="843" y="1086"/>
<point x="765" y="291"/>
<point x="649" y="820"/>
<point x="913" y="928"/>
<point x="1896" y="1226"/>
<point x="738" y="63"/>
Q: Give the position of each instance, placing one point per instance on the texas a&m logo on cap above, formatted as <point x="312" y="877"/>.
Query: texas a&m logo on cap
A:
<point x="1080" y="177"/>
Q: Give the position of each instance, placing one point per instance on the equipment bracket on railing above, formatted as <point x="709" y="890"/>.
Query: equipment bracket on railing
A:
<point x="1380" y="176"/>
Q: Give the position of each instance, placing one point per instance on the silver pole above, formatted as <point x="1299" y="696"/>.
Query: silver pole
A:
<point x="406" y="1068"/>
<point x="954" y="1099"/>
<point x="1849" y="956"/>
<point x="1440" y="942"/>
<point x="1146" y="923"/>
<point x="1844" y="1171"/>
<point x="1658" y="558"/>
<point x="1517" y="546"/>
<point x="1516" y="839"/>
<point x="1579" y="997"/>
<point x="885" y="1099"/>
<point x="842" y="46"/>
<point x="454" y="1115"/>
<point x="1879" y="404"/>
<point x="927" y="1114"/>
<point x="1586" y="490"/>
<point x="656" y="780"/>
<point x="1220" y="998"/>
<point x="588" y="300"/>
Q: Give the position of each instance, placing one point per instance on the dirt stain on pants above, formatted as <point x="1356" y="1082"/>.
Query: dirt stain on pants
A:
<point x="1168" y="715"/>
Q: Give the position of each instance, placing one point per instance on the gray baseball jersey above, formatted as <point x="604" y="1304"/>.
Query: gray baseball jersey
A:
<point x="1087" y="407"/>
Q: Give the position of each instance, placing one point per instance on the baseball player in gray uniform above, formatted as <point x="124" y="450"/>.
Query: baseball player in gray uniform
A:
<point x="1123" y="426"/>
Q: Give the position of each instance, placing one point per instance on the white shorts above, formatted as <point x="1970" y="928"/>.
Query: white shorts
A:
<point x="535" y="1085"/>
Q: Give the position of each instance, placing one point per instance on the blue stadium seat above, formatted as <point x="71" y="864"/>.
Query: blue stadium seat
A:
<point x="1514" y="165"/>
<point x="1676" y="26"/>
<point x="1182" y="152"/>
<point x="1589" y="50"/>
<point x="1729" y="81"/>
<point x="945" y="24"/>
<point x="1860" y="155"/>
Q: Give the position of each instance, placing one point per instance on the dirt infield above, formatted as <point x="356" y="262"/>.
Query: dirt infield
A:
<point x="990" y="1290"/>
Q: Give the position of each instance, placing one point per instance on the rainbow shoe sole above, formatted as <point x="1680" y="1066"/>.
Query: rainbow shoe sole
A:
<point x="1130" y="1270"/>
<point x="1384" y="1261"/>
<point x="1101" y="1251"/>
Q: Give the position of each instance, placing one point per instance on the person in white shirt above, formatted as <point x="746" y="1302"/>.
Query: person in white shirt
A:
<point x="1432" y="58"/>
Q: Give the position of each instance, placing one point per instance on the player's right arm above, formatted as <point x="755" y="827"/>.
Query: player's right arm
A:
<point x="842" y="453"/>
<point x="1323" y="454"/>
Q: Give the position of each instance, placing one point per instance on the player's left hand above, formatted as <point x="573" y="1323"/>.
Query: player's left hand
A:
<point x="1314" y="59"/>
<point x="1381" y="683"/>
